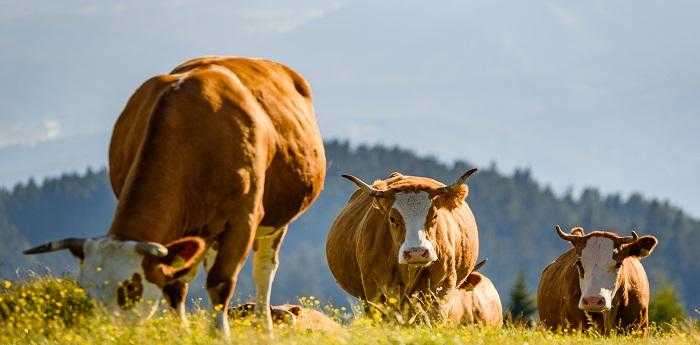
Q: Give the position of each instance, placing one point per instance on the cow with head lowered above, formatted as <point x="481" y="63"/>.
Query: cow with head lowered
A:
<point x="597" y="284"/>
<point x="403" y="235"/>
<point x="210" y="160"/>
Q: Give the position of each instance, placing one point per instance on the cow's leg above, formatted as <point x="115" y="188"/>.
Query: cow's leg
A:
<point x="234" y="244"/>
<point x="265" y="262"/>
<point x="176" y="293"/>
<point x="634" y="319"/>
<point x="608" y="323"/>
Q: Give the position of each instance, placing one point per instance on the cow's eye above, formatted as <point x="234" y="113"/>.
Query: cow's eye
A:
<point x="393" y="220"/>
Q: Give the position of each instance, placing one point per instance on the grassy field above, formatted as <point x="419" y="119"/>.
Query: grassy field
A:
<point x="56" y="311"/>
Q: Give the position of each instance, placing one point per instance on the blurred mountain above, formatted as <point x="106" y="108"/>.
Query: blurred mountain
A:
<point x="515" y="214"/>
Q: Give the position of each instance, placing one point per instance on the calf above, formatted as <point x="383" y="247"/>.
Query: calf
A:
<point x="474" y="301"/>
<point x="295" y="316"/>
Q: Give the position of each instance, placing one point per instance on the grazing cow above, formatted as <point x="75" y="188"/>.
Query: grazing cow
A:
<point x="599" y="283"/>
<point x="220" y="155"/>
<point x="474" y="301"/>
<point x="403" y="235"/>
<point x="295" y="316"/>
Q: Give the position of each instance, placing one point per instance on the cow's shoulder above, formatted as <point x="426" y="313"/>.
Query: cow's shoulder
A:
<point x="559" y="279"/>
<point x="636" y="283"/>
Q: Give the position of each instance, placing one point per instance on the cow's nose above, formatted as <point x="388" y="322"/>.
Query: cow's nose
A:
<point x="593" y="303"/>
<point x="416" y="255"/>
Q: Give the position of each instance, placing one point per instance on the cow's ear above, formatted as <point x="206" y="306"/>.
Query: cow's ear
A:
<point x="182" y="259"/>
<point x="640" y="248"/>
<point x="242" y="310"/>
<point x="293" y="308"/>
<point x="471" y="282"/>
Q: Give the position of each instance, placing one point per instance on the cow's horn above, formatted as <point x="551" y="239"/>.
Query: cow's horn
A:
<point x="152" y="249"/>
<point x="365" y="187"/>
<point x="627" y="239"/>
<point x="460" y="181"/>
<point x="565" y="236"/>
<point x="74" y="244"/>
<point x="479" y="265"/>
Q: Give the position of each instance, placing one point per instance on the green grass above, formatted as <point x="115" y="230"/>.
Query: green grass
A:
<point x="56" y="311"/>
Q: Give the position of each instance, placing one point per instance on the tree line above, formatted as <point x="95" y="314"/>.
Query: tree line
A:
<point x="515" y="215"/>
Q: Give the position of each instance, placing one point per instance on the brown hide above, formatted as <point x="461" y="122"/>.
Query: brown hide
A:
<point x="195" y="148"/>
<point x="363" y="255"/>
<point x="558" y="296"/>
<point x="479" y="304"/>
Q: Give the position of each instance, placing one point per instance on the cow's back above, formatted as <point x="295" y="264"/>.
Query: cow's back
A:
<point x="482" y="305"/>
<point x="282" y="117"/>
<point x="297" y="171"/>
<point x="131" y="127"/>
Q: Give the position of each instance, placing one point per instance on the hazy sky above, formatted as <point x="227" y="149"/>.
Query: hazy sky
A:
<point x="585" y="93"/>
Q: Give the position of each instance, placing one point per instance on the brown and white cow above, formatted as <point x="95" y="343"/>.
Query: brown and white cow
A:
<point x="474" y="301"/>
<point x="220" y="154"/>
<point x="293" y="315"/>
<point x="403" y="235"/>
<point x="600" y="279"/>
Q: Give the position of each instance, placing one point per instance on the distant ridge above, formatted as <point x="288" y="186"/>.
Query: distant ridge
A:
<point x="515" y="215"/>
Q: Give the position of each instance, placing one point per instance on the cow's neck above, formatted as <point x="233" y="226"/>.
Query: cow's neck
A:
<point x="150" y="207"/>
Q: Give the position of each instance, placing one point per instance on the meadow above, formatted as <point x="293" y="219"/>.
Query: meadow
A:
<point x="57" y="311"/>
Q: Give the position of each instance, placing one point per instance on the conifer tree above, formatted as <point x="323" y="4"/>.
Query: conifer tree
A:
<point x="522" y="307"/>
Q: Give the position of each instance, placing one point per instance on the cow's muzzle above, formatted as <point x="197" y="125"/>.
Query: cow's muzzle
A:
<point x="593" y="304"/>
<point x="416" y="256"/>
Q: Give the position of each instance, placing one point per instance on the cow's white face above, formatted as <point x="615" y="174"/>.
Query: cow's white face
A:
<point x="112" y="272"/>
<point x="414" y="209"/>
<point x="598" y="274"/>
<point x="600" y="263"/>
<point x="126" y="277"/>
<point x="412" y="214"/>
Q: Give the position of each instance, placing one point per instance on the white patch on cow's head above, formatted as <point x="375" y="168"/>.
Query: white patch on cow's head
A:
<point x="112" y="273"/>
<point x="414" y="208"/>
<point x="600" y="273"/>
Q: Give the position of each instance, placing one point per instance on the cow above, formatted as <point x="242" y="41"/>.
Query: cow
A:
<point x="295" y="316"/>
<point x="598" y="284"/>
<point x="476" y="300"/>
<point x="213" y="159"/>
<point x="403" y="235"/>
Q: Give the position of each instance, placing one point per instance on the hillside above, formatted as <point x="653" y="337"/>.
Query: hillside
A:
<point x="515" y="214"/>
